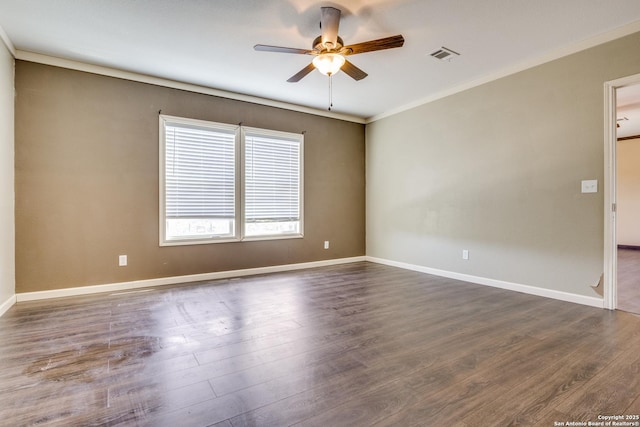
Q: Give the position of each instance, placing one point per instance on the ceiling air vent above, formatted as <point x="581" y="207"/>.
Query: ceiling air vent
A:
<point x="444" y="54"/>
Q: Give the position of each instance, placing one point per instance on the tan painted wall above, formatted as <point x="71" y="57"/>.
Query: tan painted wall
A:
<point x="7" y="246"/>
<point x="496" y="170"/>
<point x="628" y="182"/>
<point x="87" y="182"/>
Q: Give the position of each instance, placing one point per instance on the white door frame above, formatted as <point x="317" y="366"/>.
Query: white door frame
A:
<point x="610" y="195"/>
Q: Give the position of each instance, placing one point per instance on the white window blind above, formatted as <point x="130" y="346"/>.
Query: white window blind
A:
<point x="200" y="173"/>
<point x="272" y="179"/>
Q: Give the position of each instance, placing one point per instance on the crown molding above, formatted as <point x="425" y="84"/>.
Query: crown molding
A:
<point x="590" y="42"/>
<point x="159" y="81"/>
<point x="7" y="42"/>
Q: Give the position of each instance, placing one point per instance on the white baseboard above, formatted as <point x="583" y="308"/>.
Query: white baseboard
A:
<point x="7" y="305"/>
<point x="527" y="289"/>
<point x="137" y="284"/>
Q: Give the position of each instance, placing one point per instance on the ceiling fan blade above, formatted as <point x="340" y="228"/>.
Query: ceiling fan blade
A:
<point x="373" y="45"/>
<point x="300" y="74"/>
<point x="353" y="71"/>
<point x="280" y="49"/>
<point x="329" y="23"/>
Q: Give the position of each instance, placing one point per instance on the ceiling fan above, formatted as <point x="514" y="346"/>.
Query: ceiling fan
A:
<point x="329" y="49"/>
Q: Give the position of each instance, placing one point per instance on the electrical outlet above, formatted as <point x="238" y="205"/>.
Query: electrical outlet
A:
<point x="465" y="254"/>
<point x="326" y="244"/>
<point x="122" y="260"/>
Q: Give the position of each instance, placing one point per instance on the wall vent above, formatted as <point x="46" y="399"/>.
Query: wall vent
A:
<point x="444" y="54"/>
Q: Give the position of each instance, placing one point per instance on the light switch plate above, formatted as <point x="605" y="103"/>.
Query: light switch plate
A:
<point x="590" y="186"/>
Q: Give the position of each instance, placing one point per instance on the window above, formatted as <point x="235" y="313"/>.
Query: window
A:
<point x="271" y="183"/>
<point x="221" y="183"/>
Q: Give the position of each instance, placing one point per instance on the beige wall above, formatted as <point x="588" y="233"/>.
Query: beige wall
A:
<point x="628" y="182"/>
<point x="87" y="182"/>
<point x="496" y="170"/>
<point x="7" y="247"/>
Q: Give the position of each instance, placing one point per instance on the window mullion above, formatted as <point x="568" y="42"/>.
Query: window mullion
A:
<point x="240" y="183"/>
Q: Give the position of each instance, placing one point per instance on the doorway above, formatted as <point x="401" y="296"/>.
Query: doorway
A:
<point x="622" y="195"/>
<point x="628" y="197"/>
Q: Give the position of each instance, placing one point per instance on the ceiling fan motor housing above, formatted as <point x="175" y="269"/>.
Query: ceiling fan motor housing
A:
<point x="320" y="48"/>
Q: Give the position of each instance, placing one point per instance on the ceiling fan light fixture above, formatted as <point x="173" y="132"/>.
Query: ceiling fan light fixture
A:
<point x="328" y="63"/>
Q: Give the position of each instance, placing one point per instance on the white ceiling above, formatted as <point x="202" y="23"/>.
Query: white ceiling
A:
<point x="210" y="42"/>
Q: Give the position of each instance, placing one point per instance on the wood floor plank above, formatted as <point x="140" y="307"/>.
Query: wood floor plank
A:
<point x="611" y="391"/>
<point x="412" y="368"/>
<point x="454" y="387"/>
<point x="633" y="408"/>
<point x="552" y="417"/>
<point x="629" y="280"/>
<point x="547" y="388"/>
<point x="344" y="345"/>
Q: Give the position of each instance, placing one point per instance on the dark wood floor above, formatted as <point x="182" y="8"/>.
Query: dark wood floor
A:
<point x="629" y="280"/>
<point x="352" y="345"/>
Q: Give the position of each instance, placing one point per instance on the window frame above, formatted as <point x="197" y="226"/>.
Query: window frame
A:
<point x="239" y="173"/>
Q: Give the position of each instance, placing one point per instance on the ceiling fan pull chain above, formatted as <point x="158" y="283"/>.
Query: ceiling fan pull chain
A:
<point x="330" y="92"/>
